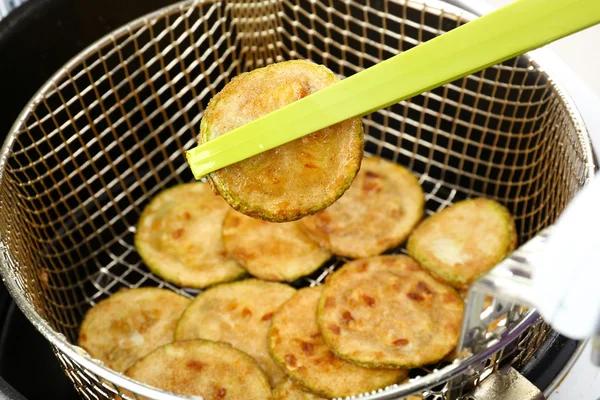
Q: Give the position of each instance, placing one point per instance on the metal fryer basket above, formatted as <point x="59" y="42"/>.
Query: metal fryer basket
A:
<point x="107" y="132"/>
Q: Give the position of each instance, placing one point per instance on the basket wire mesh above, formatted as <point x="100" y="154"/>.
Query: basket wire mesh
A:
<point x="108" y="132"/>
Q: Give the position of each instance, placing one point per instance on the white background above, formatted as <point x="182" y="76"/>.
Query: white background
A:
<point x="581" y="53"/>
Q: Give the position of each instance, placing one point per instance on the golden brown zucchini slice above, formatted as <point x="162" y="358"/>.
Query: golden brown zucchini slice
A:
<point x="271" y="251"/>
<point x="238" y="313"/>
<point x="298" y="178"/>
<point x="297" y="346"/>
<point x="130" y="324"/>
<point x="215" y="371"/>
<point x="287" y="390"/>
<point x="388" y="311"/>
<point x="378" y="212"/>
<point x="179" y="237"/>
<point x="464" y="241"/>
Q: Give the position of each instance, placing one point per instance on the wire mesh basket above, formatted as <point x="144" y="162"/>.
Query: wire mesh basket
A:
<point x="108" y="132"/>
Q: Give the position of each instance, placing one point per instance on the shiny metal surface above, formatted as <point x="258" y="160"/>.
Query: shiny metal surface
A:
<point x="108" y="131"/>
<point x="506" y="384"/>
<point x="7" y="6"/>
<point x="596" y="348"/>
<point x="509" y="285"/>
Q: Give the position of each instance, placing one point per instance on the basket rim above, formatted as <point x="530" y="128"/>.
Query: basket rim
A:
<point x="79" y="356"/>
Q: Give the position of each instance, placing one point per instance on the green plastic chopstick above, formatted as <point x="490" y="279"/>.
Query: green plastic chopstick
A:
<point x="509" y="31"/>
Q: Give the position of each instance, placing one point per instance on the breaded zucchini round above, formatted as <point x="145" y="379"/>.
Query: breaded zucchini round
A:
<point x="179" y="237"/>
<point x="271" y="251"/>
<point x="130" y="324"/>
<point x="388" y="311"/>
<point x="297" y="346"/>
<point x="297" y="178"/>
<point x="237" y="313"/>
<point x="212" y="370"/>
<point x="378" y="212"/>
<point x="464" y="241"/>
<point x="287" y="390"/>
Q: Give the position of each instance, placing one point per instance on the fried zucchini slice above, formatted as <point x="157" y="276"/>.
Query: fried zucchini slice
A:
<point x="287" y="390"/>
<point x="297" y="346"/>
<point x="297" y="178"/>
<point x="179" y="237"/>
<point x="130" y="324"/>
<point x="203" y="368"/>
<point x="378" y="212"/>
<point x="239" y="314"/>
<point x="464" y="241"/>
<point x="388" y="311"/>
<point x="271" y="251"/>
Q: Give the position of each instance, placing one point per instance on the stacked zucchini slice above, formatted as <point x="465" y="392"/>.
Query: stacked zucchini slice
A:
<point x="268" y="222"/>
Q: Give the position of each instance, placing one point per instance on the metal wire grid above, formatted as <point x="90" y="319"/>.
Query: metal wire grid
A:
<point x="107" y="133"/>
<point x="91" y="386"/>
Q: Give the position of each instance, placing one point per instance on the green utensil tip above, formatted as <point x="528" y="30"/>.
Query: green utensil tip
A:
<point x="519" y="27"/>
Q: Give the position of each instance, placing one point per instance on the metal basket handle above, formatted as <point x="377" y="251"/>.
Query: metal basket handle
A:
<point x="556" y="272"/>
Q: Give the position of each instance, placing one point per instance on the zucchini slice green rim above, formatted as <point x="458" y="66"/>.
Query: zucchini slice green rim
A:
<point x="462" y="242"/>
<point x="387" y="311"/>
<point x="298" y="178"/>
<point x="178" y="237"/>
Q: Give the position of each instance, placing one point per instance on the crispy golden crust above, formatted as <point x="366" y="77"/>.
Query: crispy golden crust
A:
<point x="287" y="390"/>
<point x="239" y="314"/>
<point x="388" y="311"/>
<point x="130" y="324"/>
<point x="464" y="241"/>
<point x="297" y="346"/>
<point x="179" y="237"/>
<point x="271" y="251"/>
<point x="298" y="178"/>
<point x="212" y="370"/>
<point x="378" y="212"/>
